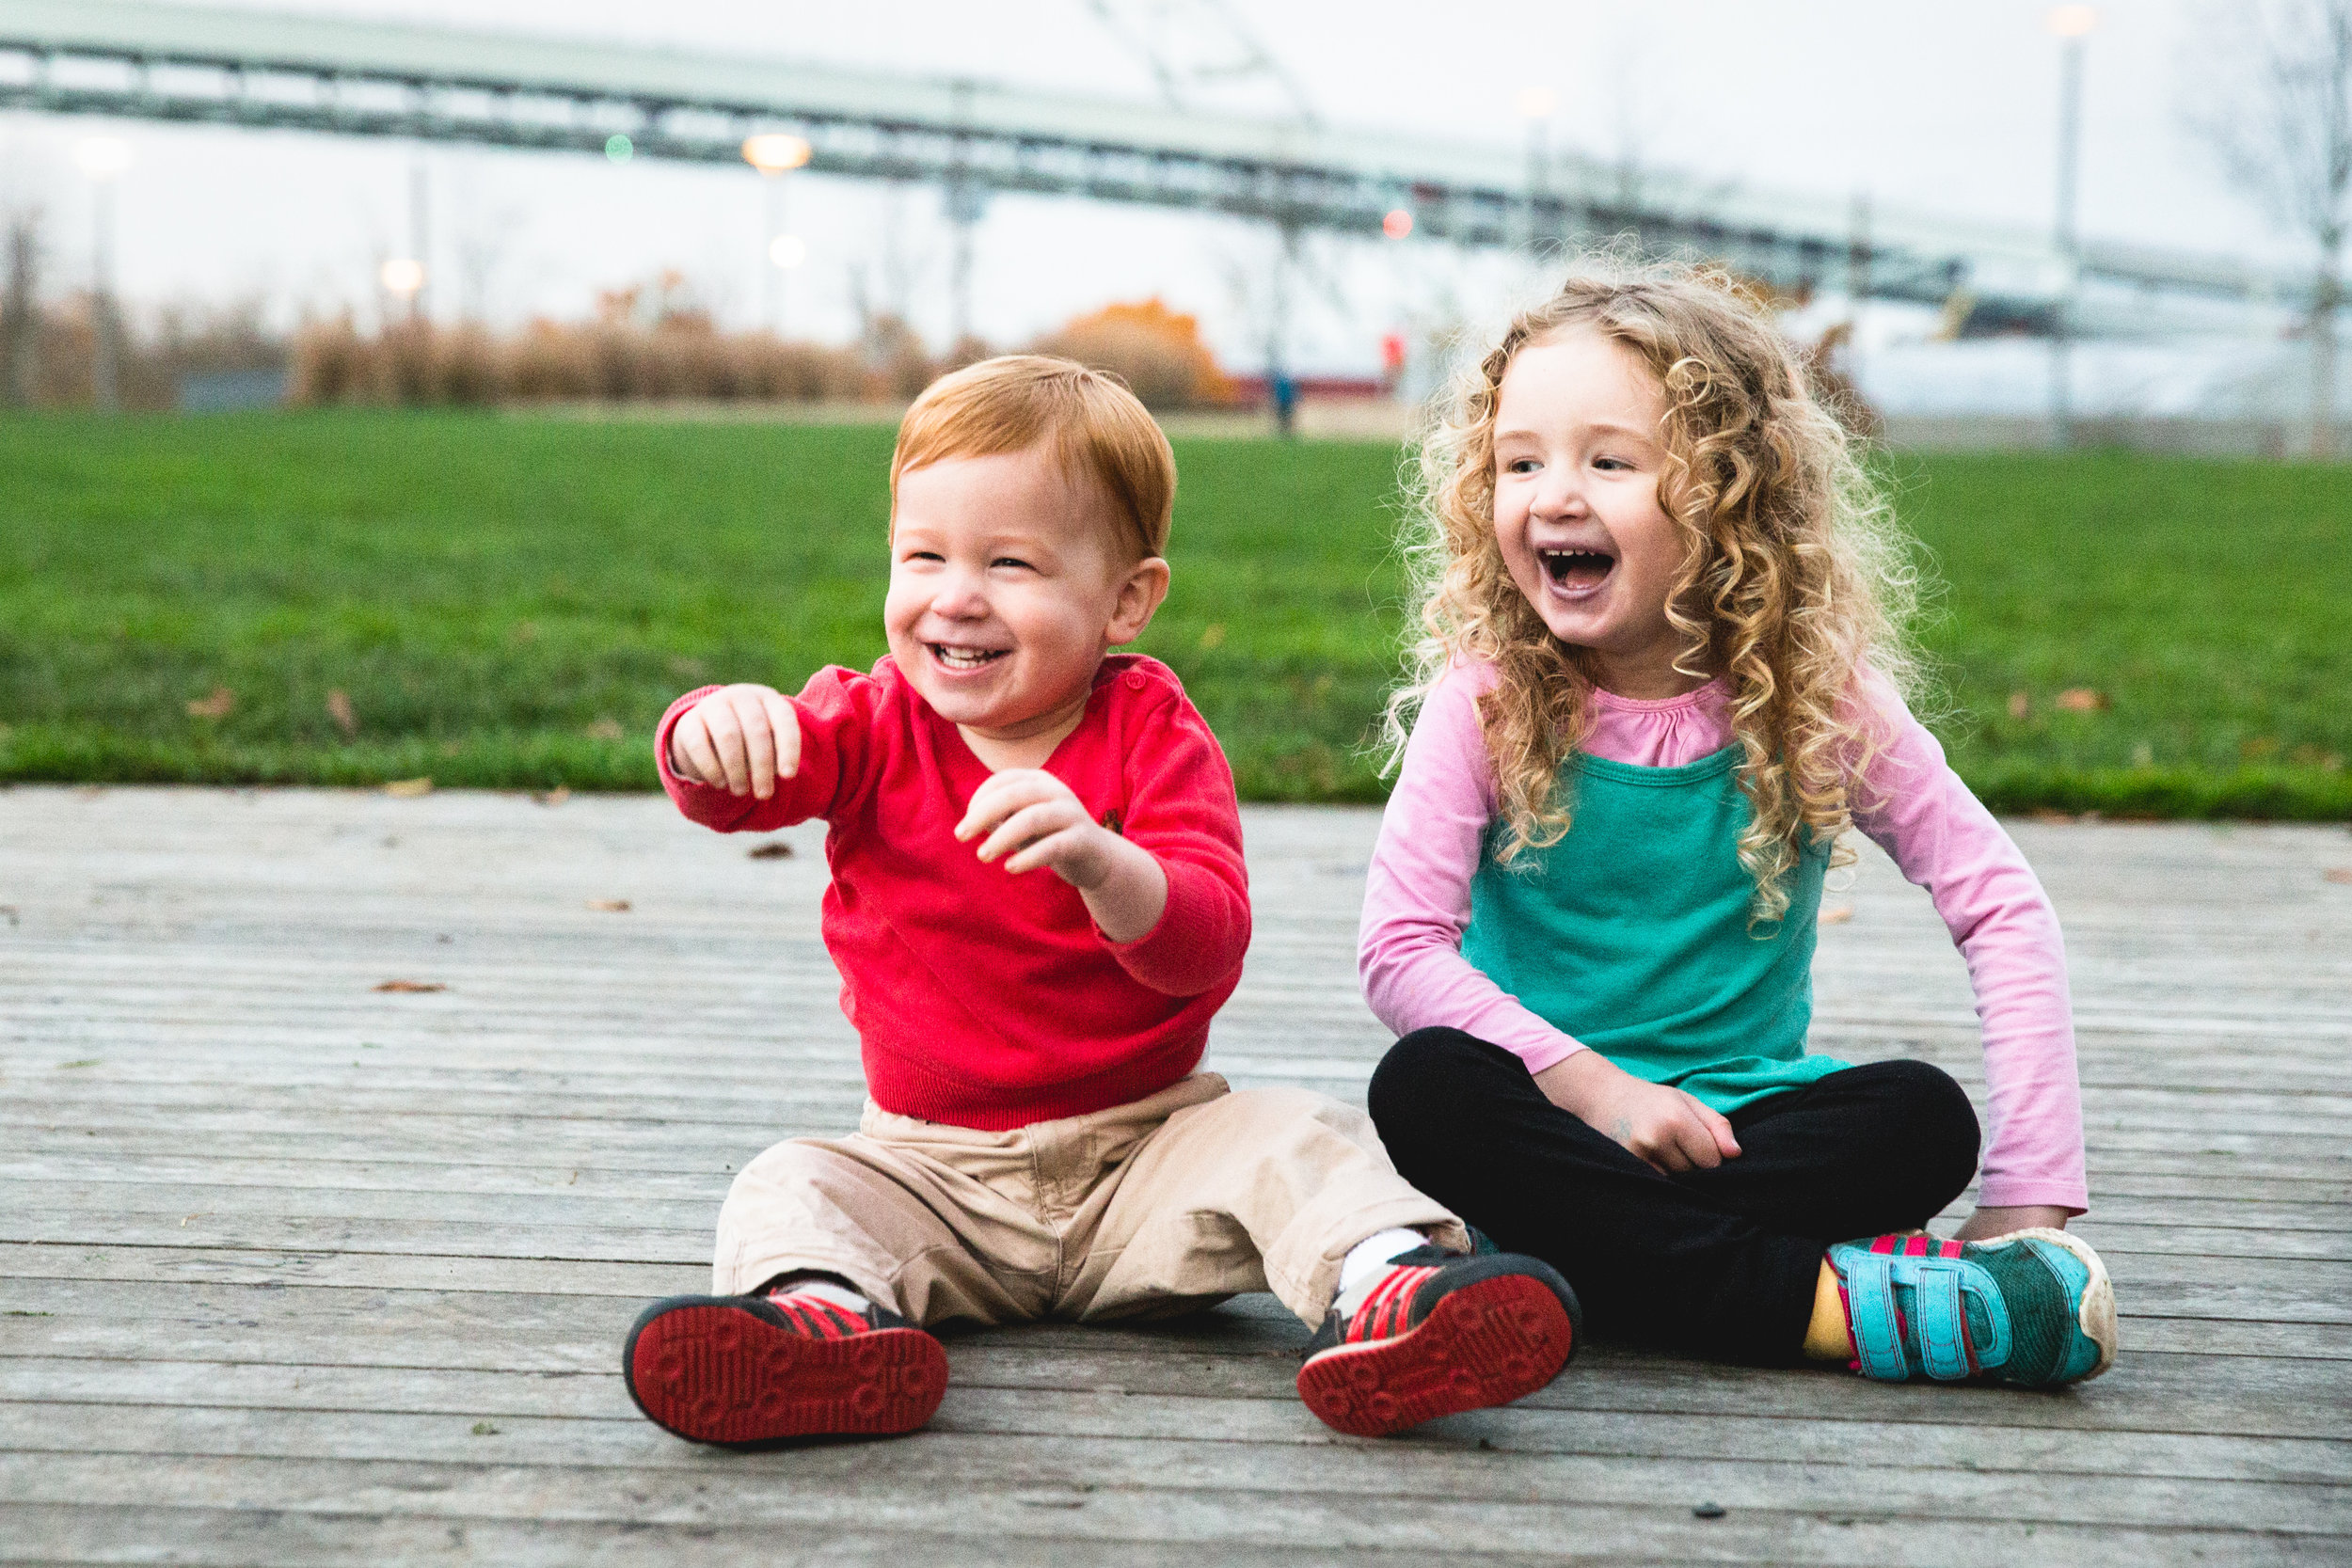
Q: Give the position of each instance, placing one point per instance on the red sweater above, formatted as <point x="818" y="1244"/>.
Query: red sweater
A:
<point x="982" y="998"/>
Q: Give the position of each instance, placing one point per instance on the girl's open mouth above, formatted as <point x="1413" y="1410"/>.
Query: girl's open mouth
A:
<point x="966" y="658"/>
<point x="1577" y="571"/>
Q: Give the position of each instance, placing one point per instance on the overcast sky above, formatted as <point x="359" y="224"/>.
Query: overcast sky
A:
<point x="1947" y="106"/>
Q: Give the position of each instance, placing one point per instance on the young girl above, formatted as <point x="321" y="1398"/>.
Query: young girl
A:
<point x="1660" y="675"/>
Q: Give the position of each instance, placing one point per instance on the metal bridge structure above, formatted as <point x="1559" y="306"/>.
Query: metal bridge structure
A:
<point x="192" y="65"/>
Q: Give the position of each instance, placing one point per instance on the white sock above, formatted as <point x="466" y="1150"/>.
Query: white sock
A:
<point x="825" y="1289"/>
<point x="1374" y="1253"/>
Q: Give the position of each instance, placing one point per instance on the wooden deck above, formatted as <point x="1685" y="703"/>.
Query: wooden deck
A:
<point x="298" y="1270"/>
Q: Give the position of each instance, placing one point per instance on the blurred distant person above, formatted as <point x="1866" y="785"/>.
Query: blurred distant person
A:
<point x="1284" y="390"/>
<point x="1659" y="677"/>
<point x="1039" y="1140"/>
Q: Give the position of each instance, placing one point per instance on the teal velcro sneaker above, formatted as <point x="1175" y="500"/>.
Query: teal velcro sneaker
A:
<point x="2034" y="1308"/>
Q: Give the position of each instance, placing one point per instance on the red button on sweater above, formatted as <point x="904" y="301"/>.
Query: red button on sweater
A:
<point x="982" y="998"/>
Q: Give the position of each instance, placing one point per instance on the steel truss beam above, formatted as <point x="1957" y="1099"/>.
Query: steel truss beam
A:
<point x="191" y="85"/>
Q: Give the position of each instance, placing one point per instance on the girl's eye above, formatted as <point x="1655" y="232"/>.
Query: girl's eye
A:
<point x="1521" y="466"/>
<point x="1610" y="463"/>
<point x="1008" y="561"/>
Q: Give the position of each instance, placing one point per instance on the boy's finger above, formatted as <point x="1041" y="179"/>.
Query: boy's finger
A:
<point x="693" y="738"/>
<point x="759" y="748"/>
<point x="1033" y="821"/>
<point x="994" y="801"/>
<point x="727" y="740"/>
<point x="784" y="725"/>
<point x="1040" y="851"/>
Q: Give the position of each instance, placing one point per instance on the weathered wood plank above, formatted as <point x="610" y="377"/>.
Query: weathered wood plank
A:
<point x="322" y="1230"/>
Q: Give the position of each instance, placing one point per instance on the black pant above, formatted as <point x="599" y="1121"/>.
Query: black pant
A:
<point x="1719" y="1262"/>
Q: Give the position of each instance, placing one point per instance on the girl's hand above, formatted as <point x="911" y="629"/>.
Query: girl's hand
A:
<point x="1034" y="819"/>
<point x="1985" y="1224"/>
<point x="1666" y="1127"/>
<point x="741" y="739"/>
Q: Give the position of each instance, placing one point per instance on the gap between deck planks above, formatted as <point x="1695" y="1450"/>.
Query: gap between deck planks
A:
<point x="273" y="1243"/>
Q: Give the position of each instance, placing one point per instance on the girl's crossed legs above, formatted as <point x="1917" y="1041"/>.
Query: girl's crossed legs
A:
<point x="1721" y="1262"/>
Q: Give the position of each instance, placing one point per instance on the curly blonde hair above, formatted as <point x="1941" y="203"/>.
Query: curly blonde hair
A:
<point x="1794" y="581"/>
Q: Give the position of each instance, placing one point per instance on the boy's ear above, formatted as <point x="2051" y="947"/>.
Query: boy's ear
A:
<point x="1139" y="598"/>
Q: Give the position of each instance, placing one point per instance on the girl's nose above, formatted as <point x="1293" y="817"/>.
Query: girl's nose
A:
<point x="1558" y="495"/>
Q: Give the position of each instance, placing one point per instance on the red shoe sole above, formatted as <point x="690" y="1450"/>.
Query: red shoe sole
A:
<point x="1484" y="1344"/>
<point x="719" y="1374"/>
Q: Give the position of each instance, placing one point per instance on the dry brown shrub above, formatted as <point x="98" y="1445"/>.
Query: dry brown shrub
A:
<point x="1157" y="350"/>
<point x="331" y="363"/>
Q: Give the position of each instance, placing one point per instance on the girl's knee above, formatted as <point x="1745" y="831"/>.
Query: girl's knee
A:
<point x="1422" y="1069"/>
<point x="1937" y="1123"/>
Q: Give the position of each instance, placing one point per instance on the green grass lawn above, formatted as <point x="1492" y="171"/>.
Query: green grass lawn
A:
<point x="512" y="603"/>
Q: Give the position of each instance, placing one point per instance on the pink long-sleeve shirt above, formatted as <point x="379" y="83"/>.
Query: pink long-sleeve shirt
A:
<point x="1417" y="904"/>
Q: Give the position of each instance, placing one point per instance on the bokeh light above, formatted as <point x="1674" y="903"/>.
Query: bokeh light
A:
<point x="1398" y="224"/>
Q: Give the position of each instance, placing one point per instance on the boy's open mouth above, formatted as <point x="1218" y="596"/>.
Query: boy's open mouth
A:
<point x="966" y="658"/>
<point x="1576" y="569"/>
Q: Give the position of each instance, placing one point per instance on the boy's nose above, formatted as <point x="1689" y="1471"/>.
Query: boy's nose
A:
<point x="959" y="596"/>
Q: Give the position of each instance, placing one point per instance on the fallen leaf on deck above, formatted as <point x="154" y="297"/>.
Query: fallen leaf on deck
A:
<point x="2019" y="704"/>
<point x="218" y="705"/>
<point x="2082" y="699"/>
<point x="610" y="906"/>
<point x="408" y="789"/>
<point x="1837" y="914"/>
<point x="412" y="984"/>
<point x="555" y="797"/>
<point x="2338" y="874"/>
<point x="775" y="850"/>
<point x="484" y="1428"/>
<point x="339" y="709"/>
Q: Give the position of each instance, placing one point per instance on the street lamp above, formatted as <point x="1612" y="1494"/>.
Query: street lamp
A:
<point x="2071" y="23"/>
<point x="1536" y="106"/>
<point x="105" y="160"/>
<point x="403" y="276"/>
<point x="775" y="154"/>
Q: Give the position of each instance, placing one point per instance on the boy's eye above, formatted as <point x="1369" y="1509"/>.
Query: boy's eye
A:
<point x="1008" y="561"/>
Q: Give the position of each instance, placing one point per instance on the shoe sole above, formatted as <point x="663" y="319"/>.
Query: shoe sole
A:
<point x="1484" y="1344"/>
<point x="711" y="1372"/>
<point x="2096" y="1316"/>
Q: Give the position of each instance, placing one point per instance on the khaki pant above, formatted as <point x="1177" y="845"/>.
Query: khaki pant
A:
<point x="1153" y="1209"/>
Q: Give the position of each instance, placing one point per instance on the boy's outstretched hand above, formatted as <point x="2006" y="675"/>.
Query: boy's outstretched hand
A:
<point x="741" y="739"/>
<point x="1664" y="1127"/>
<point x="1034" y="819"/>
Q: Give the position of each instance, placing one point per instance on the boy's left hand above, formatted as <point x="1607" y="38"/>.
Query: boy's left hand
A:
<point x="1037" y="821"/>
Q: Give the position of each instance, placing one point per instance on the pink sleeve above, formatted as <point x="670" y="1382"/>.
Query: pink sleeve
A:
<point x="1915" y="808"/>
<point x="1416" y="893"/>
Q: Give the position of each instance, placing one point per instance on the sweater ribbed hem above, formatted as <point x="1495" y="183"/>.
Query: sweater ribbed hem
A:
<point x="905" y="1088"/>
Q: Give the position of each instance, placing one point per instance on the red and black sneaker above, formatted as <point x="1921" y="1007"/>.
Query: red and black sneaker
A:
<point x="747" y="1369"/>
<point x="1436" y="1333"/>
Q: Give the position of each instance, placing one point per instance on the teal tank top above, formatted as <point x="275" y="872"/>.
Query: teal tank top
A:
<point x="1632" y="933"/>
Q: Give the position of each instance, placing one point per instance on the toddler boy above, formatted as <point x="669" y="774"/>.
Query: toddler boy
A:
<point x="1037" y="1142"/>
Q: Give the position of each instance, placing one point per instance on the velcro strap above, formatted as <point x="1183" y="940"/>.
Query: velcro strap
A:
<point x="1937" y="1318"/>
<point x="1878" y="1334"/>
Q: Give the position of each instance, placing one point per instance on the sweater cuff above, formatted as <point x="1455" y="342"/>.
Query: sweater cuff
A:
<point x="1196" y="945"/>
